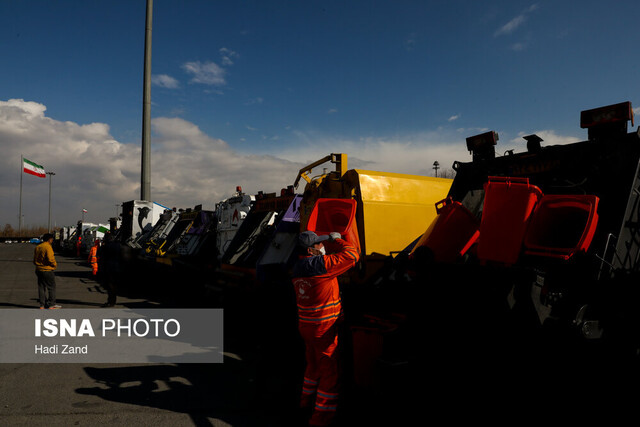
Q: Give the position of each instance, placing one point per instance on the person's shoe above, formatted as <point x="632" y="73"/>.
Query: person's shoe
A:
<point x="106" y="304"/>
<point x="42" y="307"/>
<point x="55" y="307"/>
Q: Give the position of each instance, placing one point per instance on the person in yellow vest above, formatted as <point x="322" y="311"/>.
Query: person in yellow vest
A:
<point x="93" y="257"/>
<point x="45" y="263"/>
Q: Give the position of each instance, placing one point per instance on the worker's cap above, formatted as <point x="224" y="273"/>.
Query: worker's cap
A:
<point x="307" y="239"/>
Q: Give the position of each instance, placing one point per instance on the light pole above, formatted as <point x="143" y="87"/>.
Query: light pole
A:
<point x="49" y="222"/>
<point x="436" y="166"/>
<point x="145" y="172"/>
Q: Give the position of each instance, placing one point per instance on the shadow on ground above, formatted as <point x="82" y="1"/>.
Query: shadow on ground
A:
<point x="6" y="304"/>
<point x="230" y="391"/>
<point x="74" y="274"/>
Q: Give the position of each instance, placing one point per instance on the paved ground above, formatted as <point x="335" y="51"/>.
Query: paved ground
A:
<point x="257" y="385"/>
<point x="76" y="394"/>
<point x="462" y="369"/>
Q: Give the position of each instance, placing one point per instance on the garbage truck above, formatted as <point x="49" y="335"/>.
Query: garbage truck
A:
<point x="547" y="238"/>
<point x="523" y="288"/>
<point x="138" y="219"/>
<point x="379" y="212"/>
<point x="230" y="213"/>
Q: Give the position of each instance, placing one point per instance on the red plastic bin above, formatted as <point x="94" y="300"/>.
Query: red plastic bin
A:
<point x="452" y="232"/>
<point x="369" y="341"/>
<point x="562" y="225"/>
<point x="338" y="215"/>
<point x="508" y="205"/>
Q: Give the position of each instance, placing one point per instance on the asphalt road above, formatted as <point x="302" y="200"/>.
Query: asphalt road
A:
<point x="113" y="394"/>
<point x="463" y="368"/>
<point x="257" y="385"/>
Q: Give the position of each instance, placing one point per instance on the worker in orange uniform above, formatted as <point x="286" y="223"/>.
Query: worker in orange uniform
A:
<point x="319" y="309"/>
<point x="93" y="257"/>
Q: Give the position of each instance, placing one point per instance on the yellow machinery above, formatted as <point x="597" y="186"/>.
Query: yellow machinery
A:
<point x="393" y="209"/>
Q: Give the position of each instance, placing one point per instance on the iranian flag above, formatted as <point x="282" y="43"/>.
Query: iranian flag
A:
<point x="33" y="168"/>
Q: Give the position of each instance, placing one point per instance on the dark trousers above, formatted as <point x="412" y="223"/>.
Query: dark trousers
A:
<point x="46" y="288"/>
<point x="109" y="282"/>
<point x="112" y="291"/>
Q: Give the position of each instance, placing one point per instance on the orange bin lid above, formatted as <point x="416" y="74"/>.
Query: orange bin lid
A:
<point x="508" y="206"/>
<point x="339" y="215"/>
<point x="452" y="233"/>
<point x="562" y="225"/>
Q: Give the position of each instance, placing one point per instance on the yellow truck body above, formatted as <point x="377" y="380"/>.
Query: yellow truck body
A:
<point x="396" y="208"/>
<point x="393" y="209"/>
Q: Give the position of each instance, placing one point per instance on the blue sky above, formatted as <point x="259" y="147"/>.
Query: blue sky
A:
<point x="246" y="92"/>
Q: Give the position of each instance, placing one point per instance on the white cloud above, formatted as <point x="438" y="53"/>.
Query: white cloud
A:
<point x="410" y="42"/>
<point x="254" y="101"/>
<point x="227" y="56"/>
<point x="164" y="80"/>
<point x="549" y="137"/>
<point x="188" y="167"/>
<point x="208" y="73"/>
<point x="410" y="154"/>
<point x="93" y="170"/>
<point x="472" y="131"/>
<point x="332" y="111"/>
<point x="205" y="169"/>
<point x="453" y="118"/>
<point x="96" y="172"/>
<point x="510" y="26"/>
<point x="516" y="22"/>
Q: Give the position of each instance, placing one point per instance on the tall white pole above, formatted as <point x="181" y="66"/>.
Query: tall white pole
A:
<point x="49" y="222"/>
<point x="145" y="173"/>
<point x="20" y="209"/>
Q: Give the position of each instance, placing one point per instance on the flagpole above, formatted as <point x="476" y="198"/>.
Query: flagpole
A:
<point x="20" y="210"/>
<point x="49" y="222"/>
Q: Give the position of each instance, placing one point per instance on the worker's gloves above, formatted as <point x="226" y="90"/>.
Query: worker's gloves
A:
<point x="335" y="235"/>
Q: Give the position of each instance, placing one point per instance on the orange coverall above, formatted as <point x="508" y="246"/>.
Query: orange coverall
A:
<point x="319" y="307"/>
<point x="93" y="259"/>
